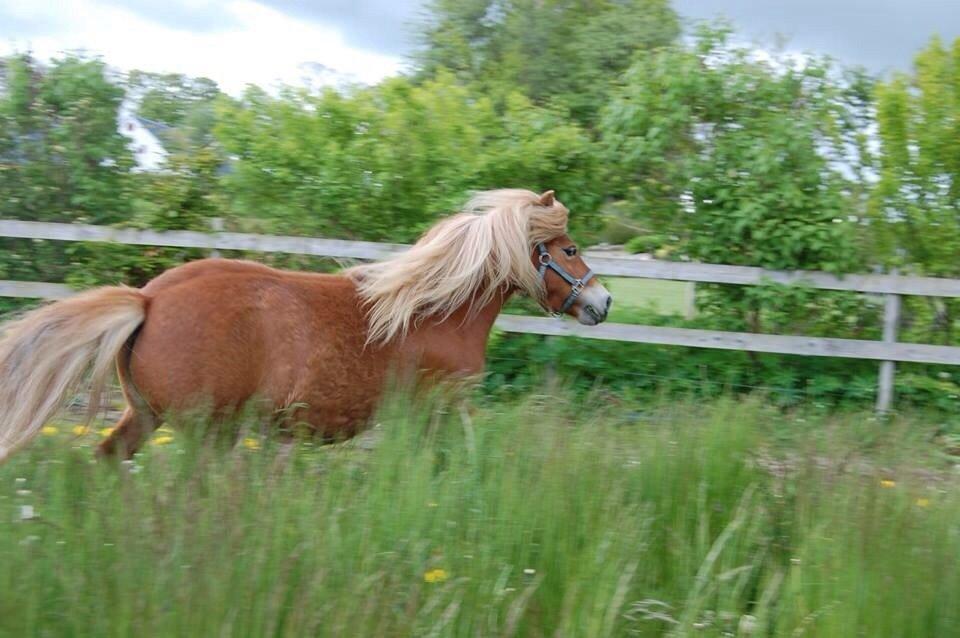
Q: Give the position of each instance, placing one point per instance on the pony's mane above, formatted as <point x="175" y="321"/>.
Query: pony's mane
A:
<point x="464" y="259"/>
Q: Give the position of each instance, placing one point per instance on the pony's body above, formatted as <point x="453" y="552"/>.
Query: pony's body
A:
<point x="223" y="332"/>
<point x="213" y="334"/>
<point x="317" y="349"/>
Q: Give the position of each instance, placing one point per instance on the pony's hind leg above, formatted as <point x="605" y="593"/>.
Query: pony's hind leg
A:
<point x="128" y="435"/>
<point x="138" y="421"/>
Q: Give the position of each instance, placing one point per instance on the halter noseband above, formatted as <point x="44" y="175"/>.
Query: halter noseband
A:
<point x="576" y="285"/>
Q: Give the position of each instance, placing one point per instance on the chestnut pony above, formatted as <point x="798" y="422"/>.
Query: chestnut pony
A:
<point x="215" y="333"/>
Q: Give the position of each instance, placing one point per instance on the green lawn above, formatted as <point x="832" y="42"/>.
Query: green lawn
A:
<point x="666" y="297"/>
<point x="539" y="518"/>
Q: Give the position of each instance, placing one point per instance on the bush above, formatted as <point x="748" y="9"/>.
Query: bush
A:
<point x="645" y="244"/>
<point x="518" y="363"/>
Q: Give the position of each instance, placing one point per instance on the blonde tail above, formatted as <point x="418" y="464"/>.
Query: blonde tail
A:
<point x="44" y="355"/>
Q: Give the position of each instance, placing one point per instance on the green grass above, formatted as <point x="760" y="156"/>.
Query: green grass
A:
<point x="539" y="518"/>
<point x="664" y="296"/>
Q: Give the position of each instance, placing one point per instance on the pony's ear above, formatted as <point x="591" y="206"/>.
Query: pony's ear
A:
<point x="547" y="199"/>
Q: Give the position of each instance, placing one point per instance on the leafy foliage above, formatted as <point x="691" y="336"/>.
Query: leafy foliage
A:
<point x="915" y="204"/>
<point x="61" y="157"/>
<point x="563" y="51"/>
<point x="732" y="155"/>
<point x="171" y="97"/>
<point x="519" y="363"/>
<point x="184" y="106"/>
<point x="383" y="163"/>
<point x="917" y="198"/>
<point x="645" y="243"/>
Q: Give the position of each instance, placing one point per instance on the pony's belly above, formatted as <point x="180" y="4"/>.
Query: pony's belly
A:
<point x="335" y="397"/>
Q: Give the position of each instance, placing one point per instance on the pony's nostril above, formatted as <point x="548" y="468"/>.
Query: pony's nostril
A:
<point x="606" y="309"/>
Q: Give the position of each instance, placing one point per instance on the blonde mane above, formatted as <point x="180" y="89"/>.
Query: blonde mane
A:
<point x="464" y="259"/>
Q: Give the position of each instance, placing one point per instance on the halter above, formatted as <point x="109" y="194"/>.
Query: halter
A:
<point x="576" y="285"/>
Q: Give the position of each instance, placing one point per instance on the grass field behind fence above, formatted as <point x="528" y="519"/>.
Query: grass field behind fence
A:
<point x="664" y="296"/>
<point x="539" y="518"/>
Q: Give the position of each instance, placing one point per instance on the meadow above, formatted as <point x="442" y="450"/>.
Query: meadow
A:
<point x="538" y="517"/>
<point x="662" y="296"/>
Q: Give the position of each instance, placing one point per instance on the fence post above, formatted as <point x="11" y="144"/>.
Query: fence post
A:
<point x="690" y="300"/>
<point x="216" y="226"/>
<point x="891" y="320"/>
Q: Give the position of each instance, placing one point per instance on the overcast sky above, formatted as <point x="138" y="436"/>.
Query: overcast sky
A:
<point x="881" y="35"/>
<point x="296" y="41"/>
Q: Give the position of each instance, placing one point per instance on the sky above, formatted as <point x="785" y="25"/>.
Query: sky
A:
<point x="880" y="35"/>
<point x="267" y="42"/>
<point x="233" y="42"/>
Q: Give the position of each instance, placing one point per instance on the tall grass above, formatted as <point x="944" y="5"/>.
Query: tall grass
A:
<point x="530" y="519"/>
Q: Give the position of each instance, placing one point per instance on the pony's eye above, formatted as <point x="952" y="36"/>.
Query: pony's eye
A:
<point x="570" y="250"/>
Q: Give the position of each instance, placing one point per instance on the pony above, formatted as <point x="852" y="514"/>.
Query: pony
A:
<point x="215" y="334"/>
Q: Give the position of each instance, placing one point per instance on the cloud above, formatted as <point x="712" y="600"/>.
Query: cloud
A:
<point x="880" y="35"/>
<point x="184" y="15"/>
<point x="22" y="24"/>
<point x="384" y="26"/>
<point x="261" y="46"/>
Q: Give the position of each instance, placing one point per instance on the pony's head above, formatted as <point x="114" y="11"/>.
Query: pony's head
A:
<point x="568" y="284"/>
<point x="504" y="240"/>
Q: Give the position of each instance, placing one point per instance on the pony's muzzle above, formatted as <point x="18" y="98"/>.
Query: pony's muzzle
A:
<point x="594" y="306"/>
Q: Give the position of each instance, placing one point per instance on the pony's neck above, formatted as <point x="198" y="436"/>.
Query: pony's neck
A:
<point x="477" y="320"/>
<point x="458" y="343"/>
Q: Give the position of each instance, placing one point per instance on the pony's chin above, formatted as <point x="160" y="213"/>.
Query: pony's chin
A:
<point x="586" y="318"/>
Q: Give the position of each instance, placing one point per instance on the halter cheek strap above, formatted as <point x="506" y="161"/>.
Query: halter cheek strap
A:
<point x="576" y="285"/>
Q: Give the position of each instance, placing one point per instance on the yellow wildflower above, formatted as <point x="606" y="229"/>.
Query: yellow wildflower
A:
<point x="80" y="430"/>
<point x="435" y="576"/>
<point x="162" y="440"/>
<point x="887" y="483"/>
<point x="49" y="430"/>
<point x="923" y="502"/>
<point x="251" y="443"/>
<point x="105" y="432"/>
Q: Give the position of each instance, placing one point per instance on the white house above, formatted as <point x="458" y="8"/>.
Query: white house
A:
<point x="148" y="150"/>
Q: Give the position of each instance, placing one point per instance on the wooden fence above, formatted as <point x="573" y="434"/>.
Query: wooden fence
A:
<point x="888" y="351"/>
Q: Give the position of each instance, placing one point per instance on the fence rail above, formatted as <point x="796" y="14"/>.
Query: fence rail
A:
<point x="603" y="264"/>
<point x="892" y="286"/>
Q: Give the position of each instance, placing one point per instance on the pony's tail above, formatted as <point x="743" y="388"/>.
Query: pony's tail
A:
<point x="44" y="355"/>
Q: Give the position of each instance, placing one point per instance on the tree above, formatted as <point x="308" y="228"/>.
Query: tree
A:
<point x="736" y="158"/>
<point x="566" y="51"/>
<point x="917" y="198"/>
<point x="62" y="155"/>
<point x="384" y="163"/>
<point x="61" y="158"/>
<point x="185" y="105"/>
<point x="916" y="202"/>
